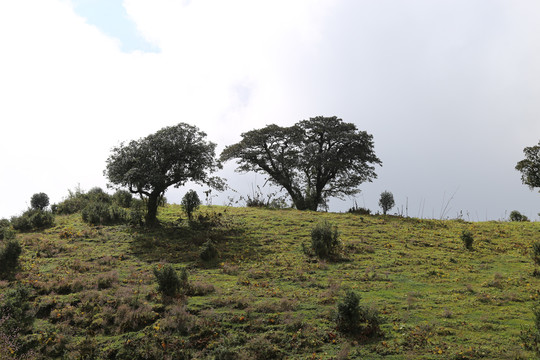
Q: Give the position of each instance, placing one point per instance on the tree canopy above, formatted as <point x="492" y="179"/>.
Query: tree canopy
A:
<point x="170" y="157"/>
<point x="312" y="160"/>
<point x="530" y="166"/>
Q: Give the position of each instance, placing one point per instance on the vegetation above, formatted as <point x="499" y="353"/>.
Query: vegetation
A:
<point x="386" y="201"/>
<point x="10" y="250"/>
<point x="39" y="201"/>
<point x="325" y="240"/>
<point x="530" y="166"/>
<point x="190" y="203"/>
<point x="313" y="160"/>
<point x="170" y="157"/>
<point x="120" y="292"/>
<point x="517" y="216"/>
<point x="468" y="239"/>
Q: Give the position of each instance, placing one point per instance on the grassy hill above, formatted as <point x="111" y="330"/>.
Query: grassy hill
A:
<point x="94" y="294"/>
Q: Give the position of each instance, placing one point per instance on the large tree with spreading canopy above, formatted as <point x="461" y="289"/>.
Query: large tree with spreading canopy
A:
<point x="171" y="157"/>
<point x="312" y="160"/>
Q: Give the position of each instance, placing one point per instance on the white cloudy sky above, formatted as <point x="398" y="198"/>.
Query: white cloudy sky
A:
<point x="449" y="89"/>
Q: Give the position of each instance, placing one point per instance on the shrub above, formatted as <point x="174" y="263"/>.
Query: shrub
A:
<point x="351" y="318"/>
<point x="5" y="230"/>
<point x="101" y="213"/>
<point x="122" y="198"/>
<point x="517" y="216"/>
<point x="15" y="308"/>
<point x="386" y="201"/>
<point x="359" y="210"/>
<point x="467" y="238"/>
<point x="209" y="251"/>
<point x="169" y="283"/>
<point x="190" y="203"/>
<point x="75" y="202"/>
<point x="325" y="240"/>
<point x="9" y="255"/>
<point x="97" y="194"/>
<point x="33" y="219"/>
<point x="137" y="212"/>
<point x="39" y="201"/>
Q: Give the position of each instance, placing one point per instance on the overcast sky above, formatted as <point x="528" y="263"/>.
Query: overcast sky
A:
<point x="449" y="89"/>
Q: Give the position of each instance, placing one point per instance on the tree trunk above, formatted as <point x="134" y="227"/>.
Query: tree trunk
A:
<point x="151" y="209"/>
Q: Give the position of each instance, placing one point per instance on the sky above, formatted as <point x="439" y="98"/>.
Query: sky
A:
<point x="449" y="90"/>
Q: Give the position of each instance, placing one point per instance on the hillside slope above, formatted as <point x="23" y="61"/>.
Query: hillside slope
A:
<point x="94" y="294"/>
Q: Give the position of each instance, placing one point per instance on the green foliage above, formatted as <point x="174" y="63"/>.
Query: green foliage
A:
<point x="209" y="251"/>
<point x="351" y="318"/>
<point x="10" y="250"/>
<point x="15" y="309"/>
<point x="269" y="201"/>
<point x="101" y="213"/>
<point x="468" y="239"/>
<point x="313" y="160"/>
<point x="190" y="203"/>
<point x="97" y="194"/>
<point x="6" y="232"/>
<point x="39" y="201"/>
<point x="325" y="240"/>
<point x="170" y="157"/>
<point x="530" y="166"/>
<point x="517" y="216"/>
<point x="75" y="202"/>
<point x="169" y="283"/>
<point x="536" y="252"/>
<point x="33" y="219"/>
<point x="122" y="198"/>
<point x="386" y="201"/>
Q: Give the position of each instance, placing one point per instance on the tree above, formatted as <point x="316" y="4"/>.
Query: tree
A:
<point x="312" y="160"/>
<point x="386" y="202"/>
<point x="170" y="157"/>
<point x="39" y="201"/>
<point x="530" y="166"/>
<point x="190" y="203"/>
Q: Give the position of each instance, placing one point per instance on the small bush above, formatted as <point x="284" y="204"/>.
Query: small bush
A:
<point x="137" y="213"/>
<point x="359" y="210"/>
<point x="75" y="202"/>
<point x="33" y="219"/>
<point x="351" y="318"/>
<point x="325" y="240"/>
<point x="15" y="308"/>
<point x="386" y="201"/>
<point x="10" y="251"/>
<point x="39" y="201"/>
<point x="467" y="238"/>
<point x="122" y="198"/>
<point x="169" y="283"/>
<point x="209" y="251"/>
<point x="517" y="216"/>
<point x="536" y="252"/>
<point x="6" y="232"/>
<point x="97" y="194"/>
<point x="190" y="203"/>
<point x="101" y="213"/>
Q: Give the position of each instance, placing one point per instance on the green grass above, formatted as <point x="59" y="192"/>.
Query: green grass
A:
<point x="94" y="292"/>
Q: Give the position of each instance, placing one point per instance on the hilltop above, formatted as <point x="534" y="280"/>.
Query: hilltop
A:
<point x="94" y="294"/>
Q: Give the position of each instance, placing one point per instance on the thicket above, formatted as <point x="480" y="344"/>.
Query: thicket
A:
<point x="15" y="309"/>
<point x="33" y="219"/>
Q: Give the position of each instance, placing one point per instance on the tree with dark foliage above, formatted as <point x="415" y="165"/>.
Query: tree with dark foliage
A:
<point x="170" y="157"/>
<point x="530" y="166"/>
<point x="312" y="160"/>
